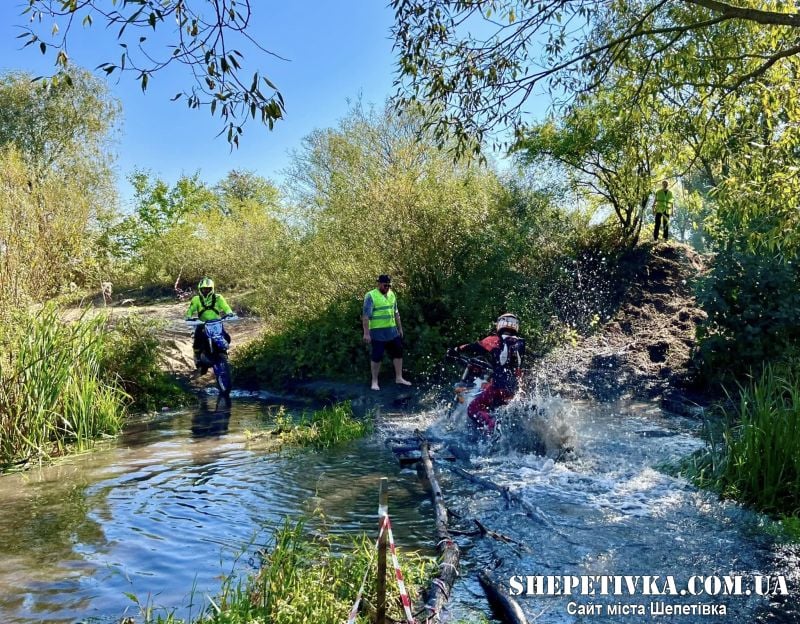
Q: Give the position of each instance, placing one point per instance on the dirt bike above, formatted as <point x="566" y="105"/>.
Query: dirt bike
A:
<point x="473" y="380"/>
<point x="215" y="351"/>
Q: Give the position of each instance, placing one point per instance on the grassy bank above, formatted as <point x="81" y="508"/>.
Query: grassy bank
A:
<point x="64" y="384"/>
<point x="752" y="455"/>
<point x="307" y="577"/>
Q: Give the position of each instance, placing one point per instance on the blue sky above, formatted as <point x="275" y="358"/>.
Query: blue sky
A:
<point x="336" y="51"/>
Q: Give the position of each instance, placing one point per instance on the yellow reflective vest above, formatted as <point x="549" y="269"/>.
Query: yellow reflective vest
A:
<point x="664" y="201"/>
<point x="382" y="309"/>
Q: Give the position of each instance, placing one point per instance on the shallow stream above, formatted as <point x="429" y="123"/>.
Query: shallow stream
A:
<point x="179" y="500"/>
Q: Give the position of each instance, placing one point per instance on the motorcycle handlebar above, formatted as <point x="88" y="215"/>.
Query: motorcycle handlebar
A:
<point x="194" y="322"/>
<point x="468" y="361"/>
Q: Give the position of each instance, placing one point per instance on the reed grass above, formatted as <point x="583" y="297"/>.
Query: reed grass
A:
<point x="53" y="393"/>
<point x="307" y="577"/>
<point x="754" y="456"/>
<point x="324" y="428"/>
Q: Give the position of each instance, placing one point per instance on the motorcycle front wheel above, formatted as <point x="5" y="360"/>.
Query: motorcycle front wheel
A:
<point x="223" y="375"/>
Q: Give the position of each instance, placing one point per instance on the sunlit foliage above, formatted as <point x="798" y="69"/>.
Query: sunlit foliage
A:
<point x="183" y="232"/>
<point x="208" y="38"/>
<point x="55" y="184"/>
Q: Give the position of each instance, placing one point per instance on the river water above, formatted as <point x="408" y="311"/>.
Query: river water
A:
<point x="179" y="500"/>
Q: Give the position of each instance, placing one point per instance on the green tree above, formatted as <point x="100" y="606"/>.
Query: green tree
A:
<point x="158" y="208"/>
<point x="240" y="187"/>
<point x="184" y="231"/>
<point x="62" y="126"/>
<point x="611" y="151"/>
<point x="58" y="191"/>
<point x="209" y="41"/>
<point x="479" y="62"/>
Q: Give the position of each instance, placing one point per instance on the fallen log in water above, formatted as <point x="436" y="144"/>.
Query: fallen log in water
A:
<point x="503" y="604"/>
<point x="530" y="511"/>
<point x="448" y="549"/>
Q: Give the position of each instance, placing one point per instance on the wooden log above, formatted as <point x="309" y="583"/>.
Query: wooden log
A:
<point x="449" y="553"/>
<point x="498" y="536"/>
<point x="530" y="511"/>
<point x="501" y="602"/>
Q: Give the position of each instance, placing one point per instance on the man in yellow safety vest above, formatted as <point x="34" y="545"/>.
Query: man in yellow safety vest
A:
<point x="382" y="330"/>
<point x="662" y="209"/>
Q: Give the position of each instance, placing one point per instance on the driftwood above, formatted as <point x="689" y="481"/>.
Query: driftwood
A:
<point x="448" y="549"/>
<point x="502" y="603"/>
<point x="516" y="499"/>
<point x="483" y="530"/>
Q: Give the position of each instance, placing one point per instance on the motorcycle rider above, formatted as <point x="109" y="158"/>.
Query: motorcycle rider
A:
<point x="504" y="349"/>
<point x="207" y="305"/>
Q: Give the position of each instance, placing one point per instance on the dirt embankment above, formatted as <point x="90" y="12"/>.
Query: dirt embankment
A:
<point x="175" y="335"/>
<point x="644" y="350"/>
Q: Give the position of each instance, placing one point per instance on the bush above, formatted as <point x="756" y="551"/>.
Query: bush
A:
<point x="133" y="360"/>
<point x="751" y="299"/>
<point x="754" y="458"/>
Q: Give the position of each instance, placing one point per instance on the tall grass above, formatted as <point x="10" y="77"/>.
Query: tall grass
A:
<point x="756" y="457"/>
<point x="308" y="578"/>
<point x="52" y="388"/>
<point x="323" y="429"/>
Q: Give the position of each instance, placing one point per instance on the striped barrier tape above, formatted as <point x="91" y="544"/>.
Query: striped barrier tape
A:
<point x="398" y="574"/>
<point x="354" y="611"/>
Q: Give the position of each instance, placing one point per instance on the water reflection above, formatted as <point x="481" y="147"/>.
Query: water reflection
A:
<point x="173" y="504"/>
<point x="211" y="421"/>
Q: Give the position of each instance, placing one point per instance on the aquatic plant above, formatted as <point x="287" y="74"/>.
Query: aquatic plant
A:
<point x="753" y="456"/>
<point x="322" y="429"/>
<point x="307" y="577"/>
<point x="53" y="391"/>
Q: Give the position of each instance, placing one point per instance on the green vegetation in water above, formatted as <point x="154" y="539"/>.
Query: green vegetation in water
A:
<point x="134" y="359"/>
<point x="53" y="391"/>
<point x="323" y="429"/>
<point x="307" y="578"/>
<point x="754" y="458"/>
<point x="63" y="384"/>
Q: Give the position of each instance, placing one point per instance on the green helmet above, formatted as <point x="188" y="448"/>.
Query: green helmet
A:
<point x="206" y="288"/>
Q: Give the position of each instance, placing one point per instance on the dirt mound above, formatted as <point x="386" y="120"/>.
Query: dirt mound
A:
<point x="644" y="350"/>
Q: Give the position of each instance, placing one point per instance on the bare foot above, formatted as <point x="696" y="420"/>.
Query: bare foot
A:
<point x="375" y="386"/>
<point x="402" y="382"/>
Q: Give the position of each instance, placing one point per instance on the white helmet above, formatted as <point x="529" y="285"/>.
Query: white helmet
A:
<point x="507" y="321"/>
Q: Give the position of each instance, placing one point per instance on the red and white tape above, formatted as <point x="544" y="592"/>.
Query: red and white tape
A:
<point x="398" y="574"/>
<point x="354" y="611"/>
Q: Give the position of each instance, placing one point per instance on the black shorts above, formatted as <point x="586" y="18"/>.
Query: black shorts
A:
<point x="393" y="347"/>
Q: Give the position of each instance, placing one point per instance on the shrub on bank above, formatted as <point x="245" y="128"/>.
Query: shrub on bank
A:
<point x="133" y="359"/>
<point x="754" y="457"/>
<point x="53" y="390"/>
<point x="751" y="298"/>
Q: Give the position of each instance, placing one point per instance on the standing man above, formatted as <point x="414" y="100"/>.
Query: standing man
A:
<point x="662" y="209"/>
<point x="383" y="330"/>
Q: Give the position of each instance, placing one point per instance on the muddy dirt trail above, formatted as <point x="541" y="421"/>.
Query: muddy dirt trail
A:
<point x="176" y="336"/>
<point x="644" y="350"/>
